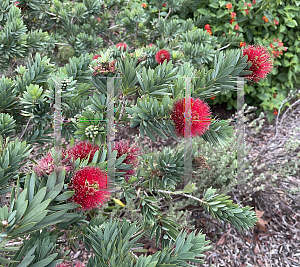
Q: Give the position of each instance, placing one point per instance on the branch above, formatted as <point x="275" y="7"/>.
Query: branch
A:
<point x="25" y="128"/>
<point x="136" y="30"/>
<point x="169" y="192"/>
<point x="62" y="44"/>
<point x="223" y="47"/>
<point x="114" y="26"/>
<point x="298" y="101"/>
<point x="52" y="14"/>
<point x="168" y="14"/>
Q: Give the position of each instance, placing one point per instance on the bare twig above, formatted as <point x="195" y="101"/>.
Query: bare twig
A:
<point x="140" y="232"/>
<point x="223" y="47"/>
<point x="25" y="128"/>
<point x="284" y="101"/>
<point x="134" y="255"/>
<point x="175" y="47"/>
<point x="114" y="26"/>
<point x="153" y="38"/>
<point x="298" y="101"/>
<point x="168" y="14"/>
<point x="52" y="14"/>
<point x="136" y="30"/>
<point x="169" y="192"/>
<point x="62" y="44"/>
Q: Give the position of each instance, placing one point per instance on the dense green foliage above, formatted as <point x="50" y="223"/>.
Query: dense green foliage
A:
<point x="57" y="41"/>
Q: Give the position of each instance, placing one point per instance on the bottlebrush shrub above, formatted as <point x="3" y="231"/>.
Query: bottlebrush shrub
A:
<point x="143" y="98"/>
<point x="186" y="35"/>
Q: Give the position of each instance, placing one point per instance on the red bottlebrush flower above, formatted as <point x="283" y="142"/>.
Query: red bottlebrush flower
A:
<point x="120" y="45"/>
<point x="247" y="11"/>
<point x="46" y="164"/>
<point x="242" y="44"/>
<point x="164" y="4"/>
<point x="199" y="112"/>
<point x="90" y="185"/>
<point x="132" y="152"/>
<point x="229" y="6"/>
<point x="162" y="55"/>
<point x="275" y="111"/>
<point x="236" y="27"/>
<point x="254" y="1"/>
<point x="82" y="150"/>
<point x="261" y="60"/>
<point x="96" y="56"/>
<point x="209" y="31"/>
<point x="233" y="14"/>
<point x="213" y="97"/>
<point x="271" y="45"/>
<point x="231" y="21"/>
<point x="265" y="19"/>
<point x="207" y="27"/>
<point x="276" y="22"/>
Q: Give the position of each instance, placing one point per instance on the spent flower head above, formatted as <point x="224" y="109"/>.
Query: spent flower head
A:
<point x="46" y="164"/>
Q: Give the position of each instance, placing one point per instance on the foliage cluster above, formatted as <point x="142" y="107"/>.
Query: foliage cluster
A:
<point x="274" y="24"/>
